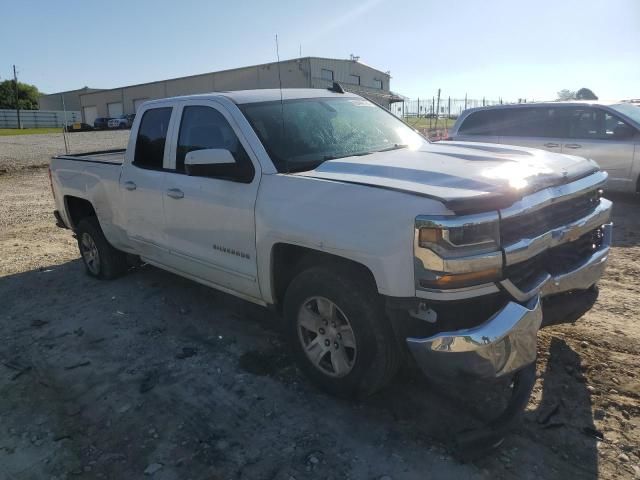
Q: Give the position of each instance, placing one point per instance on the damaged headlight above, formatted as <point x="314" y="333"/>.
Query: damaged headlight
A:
<point x="459" y="236"/>
<point x="456" y="252"/>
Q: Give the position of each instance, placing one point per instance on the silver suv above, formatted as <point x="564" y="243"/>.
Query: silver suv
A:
<point x="606" y="133"/>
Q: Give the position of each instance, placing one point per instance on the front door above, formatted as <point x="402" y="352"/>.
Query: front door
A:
<point x="142" y="185"/>
<point x="210" y="221"/>
<point x="594" y="133"/>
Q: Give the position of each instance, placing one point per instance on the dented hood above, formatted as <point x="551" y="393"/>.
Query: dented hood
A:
<point x="465" y="176"/>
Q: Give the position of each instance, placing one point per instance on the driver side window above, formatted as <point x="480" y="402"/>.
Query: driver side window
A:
<point x="616" y="129"/>
<point x="595" y="124"/>
<point x="205" y="127"/>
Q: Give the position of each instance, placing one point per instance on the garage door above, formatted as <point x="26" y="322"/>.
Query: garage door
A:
<point x="90" y="114"/>
<point x="137" y="103"/>
<point x="115" y="109"/>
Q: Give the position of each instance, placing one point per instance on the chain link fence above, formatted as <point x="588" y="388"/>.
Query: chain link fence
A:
<point x="433" y="116"/>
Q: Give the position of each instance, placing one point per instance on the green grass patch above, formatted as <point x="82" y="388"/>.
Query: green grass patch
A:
<point x="5" y="132"/>
<point x="421" y="122"/>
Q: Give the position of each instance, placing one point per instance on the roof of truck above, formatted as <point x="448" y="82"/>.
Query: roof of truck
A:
<point x="264" y="95"/>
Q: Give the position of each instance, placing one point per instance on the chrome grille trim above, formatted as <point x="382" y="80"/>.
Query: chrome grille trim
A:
<point x="529" y="247"/>
<point x="544" y="198"/>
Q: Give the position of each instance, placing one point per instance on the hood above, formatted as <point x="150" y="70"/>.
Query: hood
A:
<point x="465" y="176"/>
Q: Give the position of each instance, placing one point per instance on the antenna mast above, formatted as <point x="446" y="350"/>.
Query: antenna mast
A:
<point x="281" y="100"/>
<point x="64" y="127"/>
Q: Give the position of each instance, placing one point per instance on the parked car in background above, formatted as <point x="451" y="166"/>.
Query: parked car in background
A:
<point x="606" y="133"/>
<point x="100" y="123"/>
<point x="373" y="243"/>
<point x="123" y="121"/>
<point x="78" y="127"/>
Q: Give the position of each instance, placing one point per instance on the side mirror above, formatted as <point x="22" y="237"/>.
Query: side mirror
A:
<point x="210" y="162"/>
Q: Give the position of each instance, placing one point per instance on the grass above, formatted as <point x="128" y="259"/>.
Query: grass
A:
<point x="5" y="132"/>
<point x="422" y="122"/>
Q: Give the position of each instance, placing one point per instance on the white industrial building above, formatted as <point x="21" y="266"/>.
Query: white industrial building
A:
<point x="307" y="72"/>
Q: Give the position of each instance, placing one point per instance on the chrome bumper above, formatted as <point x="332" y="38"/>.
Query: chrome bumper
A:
<point x="502" y="345"/>
<point x="506" y="342"/>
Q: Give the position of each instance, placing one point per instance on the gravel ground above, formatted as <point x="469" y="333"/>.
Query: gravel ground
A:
<point x="31" y="151"/>
<point x="154" y="373"/>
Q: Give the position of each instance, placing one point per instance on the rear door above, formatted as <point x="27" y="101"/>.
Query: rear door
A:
<point x="142" y="183"/>
<point x="534" y="127"/>
<point x="210" y="220"/>
<point x="593" y="133"/>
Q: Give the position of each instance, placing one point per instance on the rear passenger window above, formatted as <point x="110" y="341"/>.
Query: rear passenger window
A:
<point x="483" y="122"/>
<point x="205" y="127"/>
<point x="586" y="123"/>
<point x="533" y="122"/>
<point x="152" y="136"/>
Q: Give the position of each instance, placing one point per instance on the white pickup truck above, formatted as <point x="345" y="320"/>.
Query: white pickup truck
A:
<point x="375" y="245"/>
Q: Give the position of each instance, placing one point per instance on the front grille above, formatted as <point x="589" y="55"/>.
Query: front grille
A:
<point x="555" y="261"/>
<point x="530" y="225"/>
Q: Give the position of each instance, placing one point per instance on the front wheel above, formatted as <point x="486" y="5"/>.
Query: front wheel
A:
<point x="338" y="331"/>
<point x="100" y="258"/>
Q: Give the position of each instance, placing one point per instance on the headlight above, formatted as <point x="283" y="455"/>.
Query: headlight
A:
<point x="456" y="252"/>
<point x="457" y="237"/>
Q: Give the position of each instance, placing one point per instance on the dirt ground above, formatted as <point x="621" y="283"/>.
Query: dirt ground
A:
<point x="152" y="375"/>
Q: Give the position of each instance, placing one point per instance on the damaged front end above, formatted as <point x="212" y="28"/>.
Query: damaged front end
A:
<point x="486" y="283"/>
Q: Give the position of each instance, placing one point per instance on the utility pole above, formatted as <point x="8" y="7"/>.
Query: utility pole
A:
<point x="15" y="83"/>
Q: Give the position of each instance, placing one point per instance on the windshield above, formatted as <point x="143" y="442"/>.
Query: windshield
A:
<point x="314" y="130"/>
<point x="629" y="110"/>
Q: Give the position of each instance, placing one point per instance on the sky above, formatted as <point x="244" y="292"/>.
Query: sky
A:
<point x="493" y="48"/>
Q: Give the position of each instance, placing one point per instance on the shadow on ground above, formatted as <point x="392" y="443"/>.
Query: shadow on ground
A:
<point x="154" y="372"/>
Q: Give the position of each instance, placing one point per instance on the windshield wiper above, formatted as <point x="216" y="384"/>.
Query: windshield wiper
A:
<point x="357" y="154"/>
<point x="396" y="146"/>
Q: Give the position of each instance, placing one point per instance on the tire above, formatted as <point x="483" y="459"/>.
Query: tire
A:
<point x="101" y="260"/>
<point x="375" y="356"/>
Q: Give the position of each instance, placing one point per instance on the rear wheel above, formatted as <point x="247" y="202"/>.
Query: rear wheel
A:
<point x="100" y="258"/>
<point x="338" y="331"/>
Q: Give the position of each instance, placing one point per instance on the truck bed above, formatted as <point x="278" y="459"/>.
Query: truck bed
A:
<point x="114" y="157"/>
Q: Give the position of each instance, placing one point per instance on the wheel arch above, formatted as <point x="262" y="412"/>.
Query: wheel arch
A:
<point x="287" y="260"/>
<point x="78" y="208"/>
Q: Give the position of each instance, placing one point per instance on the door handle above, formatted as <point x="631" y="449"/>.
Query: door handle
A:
<point x="573" y="145"/>
<point x="552" y="145"/>
<point x="130" y="185"/>
<point x="175" y="193"/>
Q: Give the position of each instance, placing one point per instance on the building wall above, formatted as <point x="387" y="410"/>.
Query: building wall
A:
<point x="296" y="73"/>
<point x="71" y="99"/>
<point x="343" y="71"/>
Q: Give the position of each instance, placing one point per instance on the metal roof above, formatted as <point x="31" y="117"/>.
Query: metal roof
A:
<point x="264" y="95"/>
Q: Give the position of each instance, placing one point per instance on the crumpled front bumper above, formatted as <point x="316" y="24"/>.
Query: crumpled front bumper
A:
<point x="506" y="342"/>
<point x="503" y="344"/>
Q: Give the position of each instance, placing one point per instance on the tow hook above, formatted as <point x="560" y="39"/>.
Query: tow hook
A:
<point x="476" y="443"/>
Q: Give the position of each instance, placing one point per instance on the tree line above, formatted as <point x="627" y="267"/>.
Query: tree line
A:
<point x="27" y="95"/>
